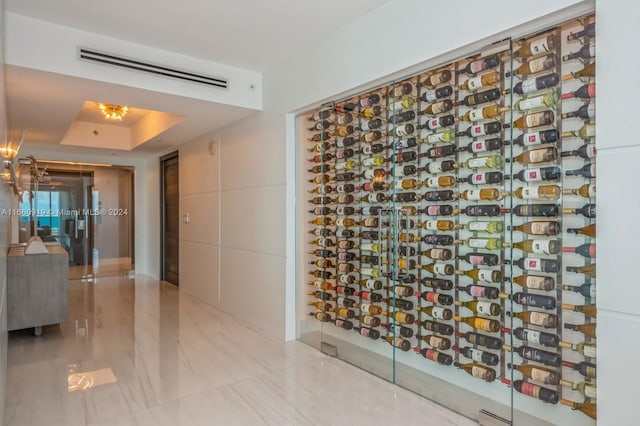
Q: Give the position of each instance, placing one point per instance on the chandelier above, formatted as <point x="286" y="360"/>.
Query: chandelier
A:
<point x="113" y="112"/>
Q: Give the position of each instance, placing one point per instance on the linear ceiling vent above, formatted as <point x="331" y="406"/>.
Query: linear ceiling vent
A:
<point x="132" y="64"/>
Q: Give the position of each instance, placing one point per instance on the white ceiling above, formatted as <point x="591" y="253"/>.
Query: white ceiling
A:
<point x="252" y="34"/>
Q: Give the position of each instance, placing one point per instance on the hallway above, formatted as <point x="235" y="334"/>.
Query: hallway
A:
<point x="178" y="361"/>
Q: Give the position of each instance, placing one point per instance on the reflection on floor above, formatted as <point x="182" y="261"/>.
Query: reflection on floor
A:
<point x="136" y="352"/>
<point x="107" y="268"/>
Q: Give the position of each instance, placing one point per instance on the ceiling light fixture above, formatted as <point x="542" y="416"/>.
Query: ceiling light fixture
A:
<point x="113" y="112"/>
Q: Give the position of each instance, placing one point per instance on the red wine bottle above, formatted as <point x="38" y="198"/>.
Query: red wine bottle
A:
<point x="587" y="91"/>
<point x="481" y="64"/>
<point x="535" y="264"/>
<point x="483" y="178"/>
<point x="586" y="250"/>
<point x="438" y="210"/>
<point x="533" y="300"/>
<point x="587" y="289"/>
<point x="437" y="283"/>
<point x="535" y="210"/>
<point x="586" y="151"/>
<point x="433" y="297"/>
<point x="434" y="355"/>
<point x="478" y="355"/>
<point x="587" y="51"/>
<point x="481" y="340"/>
<point x="482" y="210"/>
<point x="536" y="138"/>
<point x="538" y="174"/>
<point x="587" y="369"/>
<point x="536" y="83"/>
<point x="480" y="291"/>
<point x="435" y="239"/>
<point x="480" y="259"/>
<point x="588" y="171"/>
<point x="535" y="391"/>
<point x="439" y="93"/>
<point x="535" y="354"/>
<point x="480" y="98"/>
<point x="534" y="336"/>
<point x="481" y="129"/>
<point x="437" y="327"/>
<point x="589" y="30"/>
<point x="588" y="210"/>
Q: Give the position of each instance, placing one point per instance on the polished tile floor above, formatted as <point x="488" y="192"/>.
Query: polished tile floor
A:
<point x="137" y="352"/>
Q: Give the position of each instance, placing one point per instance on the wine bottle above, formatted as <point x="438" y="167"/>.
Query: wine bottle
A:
<point x="322" y="253"/>
<point x="440" y="107"/>
<point x="535" y="336"/>
<point x="434" y="94"/>
<point x="587" y="369"/>
<point x="480" y="98"/>
<point x="322" y="115"/>
<point x="480" y="259"/>
<point x="437" y="312"/>
<point x="587" y="51"/>
<point x="480" y="291"/>
<point x="322" y="232"/>
<point x="541" y="319"/>
<point x="438" y="253"/>
<point x="537" y="155"/>
<point x="436" y="341"/>
<point x="588" y="210"/>
<point x="587" y="171"/>
<point x="319" y="179"/>
<point x="438" y="122"/>
<point x="437" y="283"/>
<point x="484" y="194"/>
<point x="585" y="112"/>
<point x="535" y="65"/>
<point x="537" y="138"/>
<point x="589" y="30"/>
<point x="487" y="79"/>
<point x="484" y="145"/>
<point x="370" y="297"/>
<point x="441" y="166"/>
<point x="535" y="83"/>
<point x="585" y="388"/>
<point x="481" y="64"/>
<point x="434" y="355"/>
<point x="587" y="91"/>
<point x="588" y="408"/>
<point x="491" y="227"/>
<point x="483" y="275"/>
<point x="322" y="242"/>
<point x="481" y="210"/>
<point x="398" y="342"/>
<point x="478" y="370"/>
<point x="587" y="131"/>
<point x="588" y="329"/>
<point x="535" y="354"/>
<point x="441" y="151"/>
<point x="321" y="316"/>
<point x="534" y="119"/>
<point x="481" y="242"/>
<point x="322" y="263"/>
<point x="321" y="306"/>
<point x="482" y="129"/>
<point x="319" y="147"/>
<point x="479" y="323"/>
<point x="481" y="340"/>
<point x="405" y="102"/>
<point x="538" y="374"/>
<point x="536" y="246"/>
<point x="535" y="391"/>
<point x="529" y="299"/>
<point x="321" y="274"/>
<point x="437" y="78"/>
<point x="433" y="297"/>
<point x="371" y="136"/>
<point x="405" y="305"/>
<point x="582" y="348"/>
<point x="319" y="137"/>
<point x="547" y="227"/>
<point x="371" y="112"/>
<point x="437" y="327"/>
<point x="536" y="46"/>
<point x="481" y="307"/>
<point x="444" y="181"/>
<point x="321" y="295"/>
<point x="586" y="151"/>
<point x="587" y="289"/>
<point x="478" y="355"/>
<point x="346" y="302"/>
<point x="435" y="239"/>
<point x="483" y="113"/>
<point x="587" y="71"/>
<point x="446" y="195"/>
<point x="538" y="192"/>
<point x="585" y="250"/>
<point x="368" y="332"/>
<point x="535" y="282"/>
<point x="346" y="313"/>
<point x="546" y="100"/>
<point x="493" y="161"/>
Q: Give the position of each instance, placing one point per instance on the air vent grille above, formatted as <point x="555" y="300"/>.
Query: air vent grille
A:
<point x="92" y="55"/>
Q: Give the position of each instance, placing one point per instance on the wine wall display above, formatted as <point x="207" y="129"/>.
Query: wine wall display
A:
<point x="452" y="214"/>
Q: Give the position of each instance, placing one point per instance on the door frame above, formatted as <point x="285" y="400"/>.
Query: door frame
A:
<point x="163" y="159"/>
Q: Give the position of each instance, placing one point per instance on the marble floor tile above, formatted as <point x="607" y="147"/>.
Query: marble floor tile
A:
<point x="179" y="361"/>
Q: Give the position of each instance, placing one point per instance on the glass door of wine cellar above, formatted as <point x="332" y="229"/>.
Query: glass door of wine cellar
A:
<point x="449" y="230"/>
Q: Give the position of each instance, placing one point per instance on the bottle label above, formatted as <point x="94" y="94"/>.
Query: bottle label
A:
<point x="476" y="66"/>
<point x="532" y="138"/>
<point x="474" y="83"/>
<point x="437" y="108"/>
<point x="365" y="307"/>
<point x="589" y="351"/>
<point x="436" y="253"/>
<point x="476" y="114"/>
<point x="535" y="120"/>
<point x="478" y="243"/>
<point x="529" y="86"/>
<point x="367" y="149"/>
<point x="478" y="178"/>
<point x="592" y="169"/>
<point x="478" y="146"/>
<point x="432" y="182"/>
<point x="539" y="46"/>
<point x="433" y="123"/>
<point x="477" y="225"/>
<point x="532" y="264"/>
<point x="591" y="110"/>
<point x="368" y="320"/>
<point x="437" y="137"/>
<point x="431" y="354"/>
<point x="591" y="150"/>
<point x="478" y="372"/>
<point x="431" y="297"/>
<point x="477" y="130"/>
<point x="370" y="272"/>
<point x="370" y="222"/>
<point x="476" y="355"/>
<point x="433" y="210"/>
<point x="402" y="130"/>
<point x="476" y="291"/>
<point x="540" y="376"/>
<point x="372" y="198"/>
<point x="482" y="324"/>
<point x="473" y="194"/>
<point x="531" y="103"/>
<point x="345" y="279"/>
<point x="431" y="225"/>
<point x="484" y="307"/>
<point x="437" y="312"/>
<point x="590" y="391"/>
<point x="532" y="175"/>
<point x="364" y="332"/>
<point x="435" y="341"/>
<point x="474" y="163"/>
<point x="540" y="246"/>
<point x="534" y="282"/>
<point x="592" y="291"/>
<point x="532" y="336"/>
<point x="340" y="300"/>
<point x="592" y="50"/>
<point x="536" y="155"/>
<point x="530" y="193"/>
<point x="440" y="268"/>
<point x="538" y="318"/>
<point x="589" y="131"/>
<point x="530" y="389"/>
<point x="537" y="65"/>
